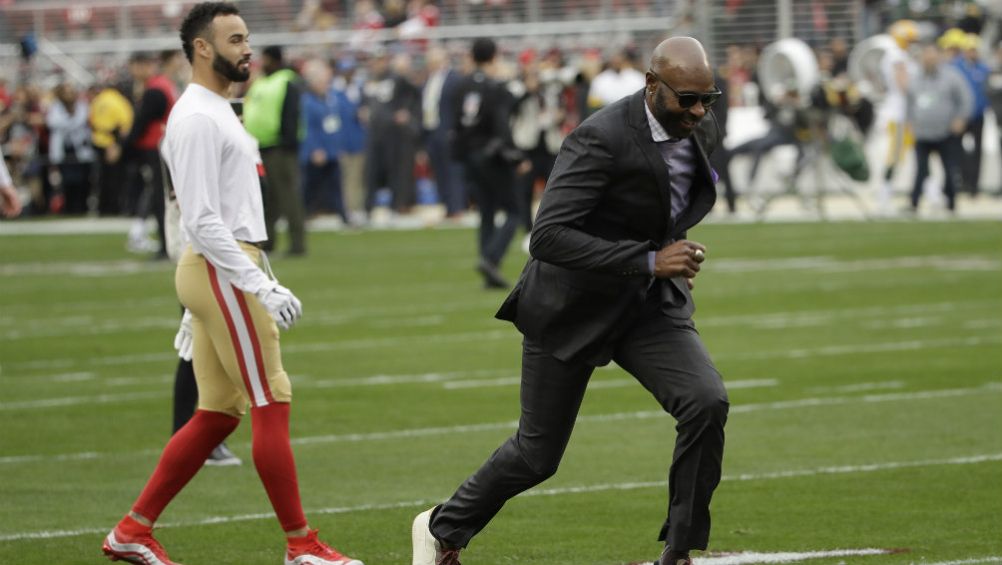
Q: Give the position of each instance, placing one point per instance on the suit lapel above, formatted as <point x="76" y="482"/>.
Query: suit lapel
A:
<point x="702" y="194"/>
<point x="642" y="131"/>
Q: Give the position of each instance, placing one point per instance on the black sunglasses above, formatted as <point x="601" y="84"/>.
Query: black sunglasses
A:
<point x="689" y="99"/>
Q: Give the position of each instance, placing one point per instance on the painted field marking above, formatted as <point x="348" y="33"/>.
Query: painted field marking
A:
<point x="484" y="336"/>
<point x="860" y="387"/>
<point x="989" y="388"/>
<point x="833" y="265"/>
<point x="816" y="263"/>
<point x="989" y="559"/>
<point x="752" y="558"/>
<point x="428" y="315"/>
<point x="596" y="384"/>
<point x="77" y="400"/>
<point x="559" y="491"/>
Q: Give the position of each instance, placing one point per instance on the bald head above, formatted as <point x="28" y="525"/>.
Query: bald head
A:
<point x="677" y="55"/>
<point x="679" y="85"/>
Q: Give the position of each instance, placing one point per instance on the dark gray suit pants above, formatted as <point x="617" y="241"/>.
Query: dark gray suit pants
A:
<point x="667" y="357"/>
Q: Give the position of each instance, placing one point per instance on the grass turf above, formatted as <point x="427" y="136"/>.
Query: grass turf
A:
<point x="847" y="345"/>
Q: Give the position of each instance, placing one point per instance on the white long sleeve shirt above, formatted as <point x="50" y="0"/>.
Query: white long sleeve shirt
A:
<point x="213" y="164"/>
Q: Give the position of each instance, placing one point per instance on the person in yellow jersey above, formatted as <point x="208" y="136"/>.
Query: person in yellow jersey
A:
<point x="234" y="305"/>
<point x="110" y="121"/>
<point x="896" y="66"/>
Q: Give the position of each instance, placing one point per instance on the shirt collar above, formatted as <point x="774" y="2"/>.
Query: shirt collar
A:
<point x="658" y="133"/>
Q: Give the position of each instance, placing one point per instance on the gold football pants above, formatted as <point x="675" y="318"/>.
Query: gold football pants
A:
<point x="236" y="352"/>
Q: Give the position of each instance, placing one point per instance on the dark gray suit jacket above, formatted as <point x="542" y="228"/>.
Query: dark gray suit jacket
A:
<point x="606" y="205"/>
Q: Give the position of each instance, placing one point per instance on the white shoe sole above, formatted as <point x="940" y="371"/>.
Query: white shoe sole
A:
<point x="227" y="462"/>
<point x="313" y="560"/>
<point x="423" y="542"/>
<point x="130" y="552"/>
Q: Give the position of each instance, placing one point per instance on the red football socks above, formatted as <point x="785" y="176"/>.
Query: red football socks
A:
<point x="132" y="527"/>
<point x="275" y="464"/>
<point x="183" y="456"/>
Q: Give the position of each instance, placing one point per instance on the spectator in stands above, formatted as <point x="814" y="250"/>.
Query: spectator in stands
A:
<point x="111" y="116"/>
<point x="271" y="115"/>
<point x="318" y="153"/>
<point x="421" y="15"/>
<point x="393" y="107"/>
<point x="4" y="95"/>
<point x="22" y="125"/>
<point x="349" y="84"/>
<point x="537" y="121"/>
<point x="317" y="15"/>
<point x="839" y="49"/>
<point x="394" y="13"/>
<point x="71" y="154"/>
<point x="366" y="22"/>
<point x="437" y="103"/>
<point x="939" y="106"/>
<point x="619" y="79"/>
<point x="736" y="75"/>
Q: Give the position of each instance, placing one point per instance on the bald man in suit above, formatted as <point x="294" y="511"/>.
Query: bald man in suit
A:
<point x="610" y="279"/>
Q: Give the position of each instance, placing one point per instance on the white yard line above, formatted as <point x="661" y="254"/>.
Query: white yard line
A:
<point x="991" y="559"/>
<point x="109" y="269"/>
<point x="445" y="380"/>
<point x="860" y="387"/>
<point x="752" y="558"/>
<point x="833" y="265"/>
<point x="559" y="491"/>
<point x="345" y="316"/>
<point x="595" y="384"/>
<point x="94" y="328"/>
<point x="825" y="264"/>
<point x="989" y="388"/>
<point x="506" y="334"/>
<point x="383" y="380"/>
<point x="860" y="348"/>
<point x="77" y="400"/>
<point x="122" y="325"/>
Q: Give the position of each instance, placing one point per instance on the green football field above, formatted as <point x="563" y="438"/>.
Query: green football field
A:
<point x="863" y="361"/>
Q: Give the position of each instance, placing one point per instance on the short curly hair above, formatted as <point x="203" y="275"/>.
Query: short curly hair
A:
<point x="198" y="20"/>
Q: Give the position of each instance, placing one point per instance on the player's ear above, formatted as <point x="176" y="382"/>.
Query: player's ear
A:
<point x="202" y="47"/>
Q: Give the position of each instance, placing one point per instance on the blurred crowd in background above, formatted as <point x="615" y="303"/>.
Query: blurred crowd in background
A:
<point x="369" y="122"/>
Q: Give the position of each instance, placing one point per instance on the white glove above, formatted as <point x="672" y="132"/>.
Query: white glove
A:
<point x="283" y="306"/>
<point x="183" y="340"/>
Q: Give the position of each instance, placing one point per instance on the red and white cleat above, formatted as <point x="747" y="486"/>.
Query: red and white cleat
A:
<point x="309" y="550"/>
<point x="141" y="548"/>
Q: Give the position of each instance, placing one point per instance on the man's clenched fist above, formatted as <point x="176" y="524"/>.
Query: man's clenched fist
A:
<point x="681" y="258"/>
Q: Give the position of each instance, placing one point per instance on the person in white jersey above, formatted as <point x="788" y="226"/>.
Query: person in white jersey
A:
<point x="234" y="305"/>
<point x="895" y="67"/>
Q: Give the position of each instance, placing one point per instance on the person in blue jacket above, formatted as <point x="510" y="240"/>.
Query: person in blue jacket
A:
<point x="348" y="85"/>
<point x="321" y="145"/>
<point x="969" y="63"/>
